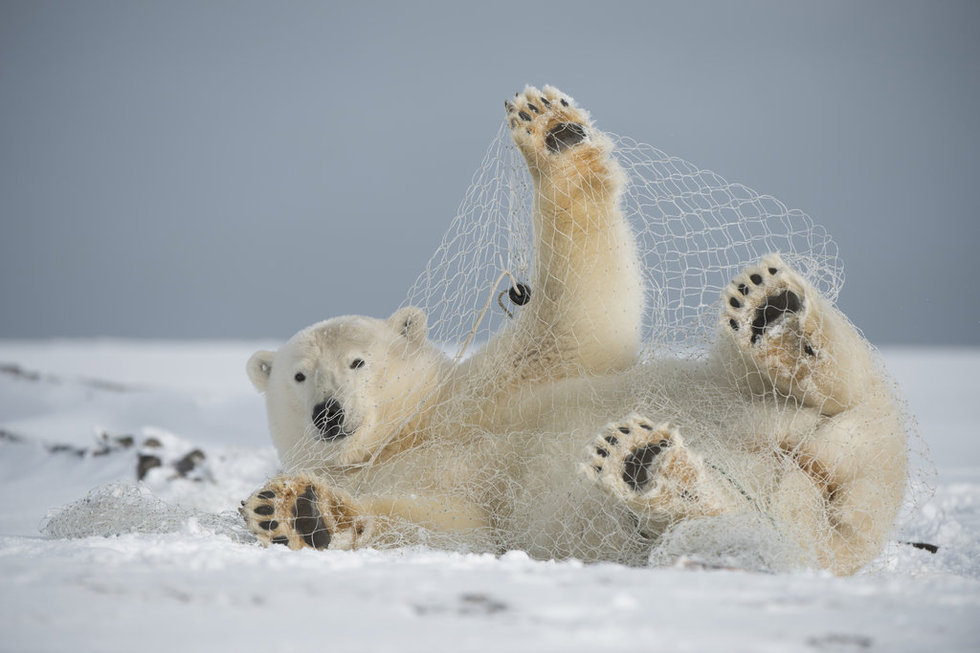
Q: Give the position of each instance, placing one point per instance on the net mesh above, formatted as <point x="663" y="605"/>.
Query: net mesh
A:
<point x="644" y="364"/>
<point x="694" y="230"/>
<point x="122" y="508"/>
<point x="613" y="355"/>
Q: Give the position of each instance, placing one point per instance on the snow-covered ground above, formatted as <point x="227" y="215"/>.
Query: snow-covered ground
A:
<point x="204" y="587"/>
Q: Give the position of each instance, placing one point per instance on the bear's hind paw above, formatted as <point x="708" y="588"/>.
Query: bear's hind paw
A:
<point x="766" y="304"/>
<point x="779" y="322"/>
<point x="645" y="464"/>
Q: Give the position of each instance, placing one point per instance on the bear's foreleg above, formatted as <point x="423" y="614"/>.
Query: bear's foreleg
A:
<point x="587" y="297"/>
<point x="305" y="512"/>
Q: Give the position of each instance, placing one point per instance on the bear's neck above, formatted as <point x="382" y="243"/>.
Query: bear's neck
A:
<point x="429" y="392"/>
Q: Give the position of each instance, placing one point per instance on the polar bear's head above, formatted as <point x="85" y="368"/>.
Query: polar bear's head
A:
<point x="340" y="390"/>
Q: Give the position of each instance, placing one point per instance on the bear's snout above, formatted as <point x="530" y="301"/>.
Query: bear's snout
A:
<point x="328" y="417"/>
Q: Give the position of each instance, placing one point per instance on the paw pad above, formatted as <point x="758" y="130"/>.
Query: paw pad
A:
<point x="308" y="522"/>
<point x="637" y="466"/>
<point x="291" y="518"/>
<point x="564" y="135"/>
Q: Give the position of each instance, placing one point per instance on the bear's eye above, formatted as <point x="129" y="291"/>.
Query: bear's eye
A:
<point x="300" y="377"/>
<point x="356" y="363"/>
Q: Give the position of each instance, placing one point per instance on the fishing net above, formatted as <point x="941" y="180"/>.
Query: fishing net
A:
<point x="613" y="355"/>
<point x="123" y="508"/>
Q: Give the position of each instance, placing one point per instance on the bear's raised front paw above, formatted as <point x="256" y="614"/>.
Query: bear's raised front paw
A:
<point x="645" y="464"/>
<point x="303" y="512"/>
<point x="546" y="122"/>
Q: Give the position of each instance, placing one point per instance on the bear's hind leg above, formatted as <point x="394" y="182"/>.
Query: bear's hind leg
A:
<point x="794" y="339"/>
<point x="857" y="461"/>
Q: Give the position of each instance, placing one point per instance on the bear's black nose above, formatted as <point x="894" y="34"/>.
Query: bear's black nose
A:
<point x="328" y="418"/>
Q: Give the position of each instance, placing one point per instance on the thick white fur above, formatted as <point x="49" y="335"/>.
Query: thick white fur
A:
<point x="501" y="450"/>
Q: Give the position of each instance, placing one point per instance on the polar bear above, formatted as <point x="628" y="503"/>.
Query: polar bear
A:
<point x="555" y="438"/>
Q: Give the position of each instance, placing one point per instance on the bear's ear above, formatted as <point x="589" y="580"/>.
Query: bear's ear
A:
<point x="409" y="322"/>
<point x="259" y="368"/>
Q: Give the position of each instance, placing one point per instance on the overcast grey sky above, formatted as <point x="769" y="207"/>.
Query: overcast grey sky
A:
<point x="243" y="169"/>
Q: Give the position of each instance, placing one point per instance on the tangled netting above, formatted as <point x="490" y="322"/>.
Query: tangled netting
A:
<point x="695" y="232"/>
<point x="644" y="364"/>
<point x="613" y="355"/>
<point x="120" y="509"/>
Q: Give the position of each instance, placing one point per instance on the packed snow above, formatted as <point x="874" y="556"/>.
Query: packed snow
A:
<point x="76" y="416"/>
